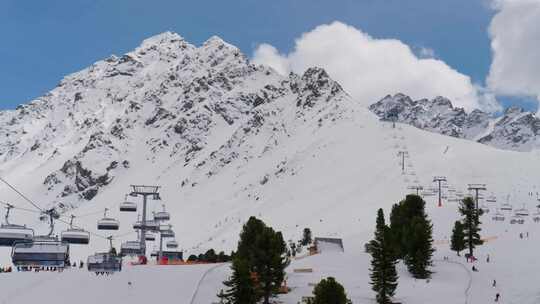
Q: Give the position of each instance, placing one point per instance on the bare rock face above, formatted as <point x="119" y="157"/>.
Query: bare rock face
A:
<point x="516" y="129"/>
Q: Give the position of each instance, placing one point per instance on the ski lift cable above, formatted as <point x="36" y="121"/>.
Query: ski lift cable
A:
<point x="19" y="208"/>
<point x="20" y="194"/>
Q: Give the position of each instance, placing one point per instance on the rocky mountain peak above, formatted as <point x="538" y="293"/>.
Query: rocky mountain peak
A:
<point x="516" y="129"/>
<point x="167" y="102"/>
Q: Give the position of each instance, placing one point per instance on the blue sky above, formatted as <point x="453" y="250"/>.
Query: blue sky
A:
<point x="44" y="40"/>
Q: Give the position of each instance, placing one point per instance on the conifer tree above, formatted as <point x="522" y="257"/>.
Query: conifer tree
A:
<point x="411" y="235"/>
<point x="383" y="262"/>
<point x="329" y="291"/>
<point x="457" y="242"/>
<point x="471" y="224"/>
<point x="241" y="287"/>
<point x="419" y="248"/>
<point x="306" y="237"/>
<point x="265" y="254"/>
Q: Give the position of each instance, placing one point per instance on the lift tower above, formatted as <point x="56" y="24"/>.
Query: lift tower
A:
<point x="403" y="155"/>
<point x="439" y="180"/>
<point x="145" y="192"/>
<point x="417" y="188"/>
<point x="477" y="188"/>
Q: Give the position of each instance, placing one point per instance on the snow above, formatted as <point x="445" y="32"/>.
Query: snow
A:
<point x="306" y="156"/>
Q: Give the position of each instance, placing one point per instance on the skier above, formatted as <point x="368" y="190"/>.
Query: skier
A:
<point x="521" y="235"/>
<point x="494" y="283"/>
<point x="474" y="269"/>
<point x="487" y="259"/>
<point x="497" y="296"/>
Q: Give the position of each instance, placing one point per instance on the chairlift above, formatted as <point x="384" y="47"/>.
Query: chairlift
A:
<point x="128" y="206"/>
<point x="105" y="262"/>
<point x="169" y="233"/>
<point x="75" y="235"/>
<point x="40" y="253"/>
<point x="172" y="244"/>
<point x="517" y="220"/>
<point x="522" y="211"/>
<point x="150" y="236"/>
<point x="150" y="225"/>
<point x="131" y="248"/>
<point x="162" y="215"/>
<point x="11" y="233"/>
<point x="506" y="207"/>
<point x="491" y="199"/>
<point x="42" y="250"/>
<point x="107" y="223"/>
<point x="498" y="216"/>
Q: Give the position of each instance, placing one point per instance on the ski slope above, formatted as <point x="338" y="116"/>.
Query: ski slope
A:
<point x="334" y="180"/>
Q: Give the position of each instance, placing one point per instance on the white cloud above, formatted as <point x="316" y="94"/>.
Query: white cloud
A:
<point x="369" y="68"/>
<point x="269" y="55"/>
<point x="515" y="42"/>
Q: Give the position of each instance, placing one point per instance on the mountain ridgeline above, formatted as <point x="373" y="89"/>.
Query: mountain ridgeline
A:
<point x="167" y="103"/>
<point x="515" y="129"/>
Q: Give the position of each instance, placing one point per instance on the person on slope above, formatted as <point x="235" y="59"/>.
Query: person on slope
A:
<point x="494" y="283"/>
<point x="497" y="297"/>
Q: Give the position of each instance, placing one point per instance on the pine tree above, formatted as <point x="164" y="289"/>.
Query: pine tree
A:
<point x="329" y="291"/>
<point x="419" y="248"/>
<point x="265" y="254"/>
<point x="270" y="262"/>
<point x="457" y="242"/>
<point x="411" y="235"/>
<point x="306" y="237"/>
<point x="383" y="262"/>
<point x="471" y="224"/>
<point x="241" y="287"/>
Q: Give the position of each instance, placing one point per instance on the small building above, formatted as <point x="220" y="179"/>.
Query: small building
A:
<point x="323" y="244"/>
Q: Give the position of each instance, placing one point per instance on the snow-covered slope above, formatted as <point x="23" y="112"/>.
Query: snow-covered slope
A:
<point x="516" y="129"/>
<point x="226" y="139"/>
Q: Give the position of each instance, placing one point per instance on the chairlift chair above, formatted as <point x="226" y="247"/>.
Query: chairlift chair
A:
<point x="40" y="253"/>
<point x="128" y="206"/>
<point x="491" y="199"/>
<point x="522" y="211"/>
<point x="150" y="225"/>
<point x="107" y="223"/>
<point x="506" y="207"/>
<point x="498" y="216"/>
<point x="11" y="233"/>
<point x="149" y="236"/>
<point x="169" y="233"/>
<point x="131" y="248"/>
<point x="75" y="235"/>
<point x="172" y="244"/>
<point x="162" y="215"/>
<point x="105" y="262"/>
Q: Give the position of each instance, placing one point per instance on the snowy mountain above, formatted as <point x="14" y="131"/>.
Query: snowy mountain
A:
<point x="516" y="129"/>
<point x="167" y="102"/>
<point x="226" y="139"/>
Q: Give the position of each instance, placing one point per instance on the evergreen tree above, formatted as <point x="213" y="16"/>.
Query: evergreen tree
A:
<point x="383" y="262"/>
<point x="329" y="291"/>
<point x="210" y="256"/>
<point x="306" y="237"/>
<point x="457" y="242"/>
<point x="419" y="248"/>
<point x="471" y="223"/>
<point x="270" y="262"/>
<point x="411" y="235"/>
<point x="265" y="253"/>
<point x="241" y="287"/>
